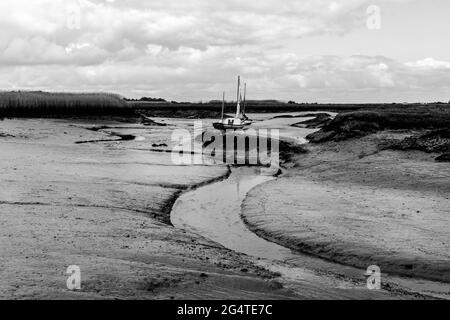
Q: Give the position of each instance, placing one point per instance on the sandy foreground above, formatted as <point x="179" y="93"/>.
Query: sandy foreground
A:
<point x="348" y="203"/>
<point x="214" y="211"/>
<point x="106" y="207"/>
<point x="101" y="206"/>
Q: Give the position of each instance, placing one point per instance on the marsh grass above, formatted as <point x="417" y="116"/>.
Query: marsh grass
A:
<point x="363" y="122"/>
<point x="45" y="104"/>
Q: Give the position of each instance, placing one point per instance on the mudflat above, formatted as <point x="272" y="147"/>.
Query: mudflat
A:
<point x="353" y="203"/>
<point x="104" y="207"/>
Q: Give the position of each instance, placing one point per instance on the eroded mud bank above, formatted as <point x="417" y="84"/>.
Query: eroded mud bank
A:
<point x="351" y="203"/>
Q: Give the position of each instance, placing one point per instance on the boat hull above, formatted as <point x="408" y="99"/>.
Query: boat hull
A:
<point x="221" y="126"/>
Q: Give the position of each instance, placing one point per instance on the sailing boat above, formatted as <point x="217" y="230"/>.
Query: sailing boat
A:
<point x="240" y="120"/>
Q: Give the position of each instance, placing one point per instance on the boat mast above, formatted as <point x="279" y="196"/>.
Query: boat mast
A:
<point x="223" y="104"/>
<point x="245" y="98"/>
<point x="238" y="106"/>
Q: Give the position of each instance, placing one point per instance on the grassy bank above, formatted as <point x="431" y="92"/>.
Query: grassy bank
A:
<point x="368" y="116"/>
<point x="57" y="105"/>
<point x="212" y="109"/>
<point x="363" y="122"/>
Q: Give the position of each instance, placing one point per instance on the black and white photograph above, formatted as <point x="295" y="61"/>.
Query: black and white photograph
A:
<point x="224" y="155"/>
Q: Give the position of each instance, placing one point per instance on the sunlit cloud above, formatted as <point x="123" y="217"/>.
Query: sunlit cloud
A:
<point x="193" y="49"/>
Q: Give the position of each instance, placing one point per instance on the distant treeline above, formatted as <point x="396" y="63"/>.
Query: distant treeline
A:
<point x="263" y="106"/>
<point x="148" y="99"/>
<point x="58" y="105"/>
<point x="202" y="110"/>
<point x="44" y="104"/>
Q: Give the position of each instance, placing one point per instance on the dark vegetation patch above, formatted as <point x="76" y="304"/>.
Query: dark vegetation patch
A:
<point x="431" y="141"/>
<point x="288" y="150"/>
<point x="124" y="137"/>
<point x="360" y="123"/>
<point x="320" y="120"/>
<point x="121" y="137"/>
<point x="443" y="158"/>
<point x="98" y="128"/>
<point x="58" y="105"/>
<point x="186" y="112"/>
<point x="6" y="135"/>
<point x="304" y="115"/>
<point x="213" y="109"/>
<point x="436" y="141"/>
<point x="285" y="116"/>
<point x="160" y="283"/>
<point x="100" y="105"/>
<point x="146" y="121"/>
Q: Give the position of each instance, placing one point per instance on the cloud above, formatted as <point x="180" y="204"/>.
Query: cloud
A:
<point x="193" y="49"/>
<point x="190" y="74"/>
<point x="114" y="26"/>
<point x="429" y="63"/>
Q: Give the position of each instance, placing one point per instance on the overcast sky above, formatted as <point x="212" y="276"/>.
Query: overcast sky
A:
<point x="190" y="50"/>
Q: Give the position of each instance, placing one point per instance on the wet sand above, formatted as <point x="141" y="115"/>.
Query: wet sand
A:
<point x="347" y="202"/>
<point x="104" y="206"/>
<point x="214" y="211"/>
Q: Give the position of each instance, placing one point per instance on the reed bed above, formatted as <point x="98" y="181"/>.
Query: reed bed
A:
<point x="45" y="104"/>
